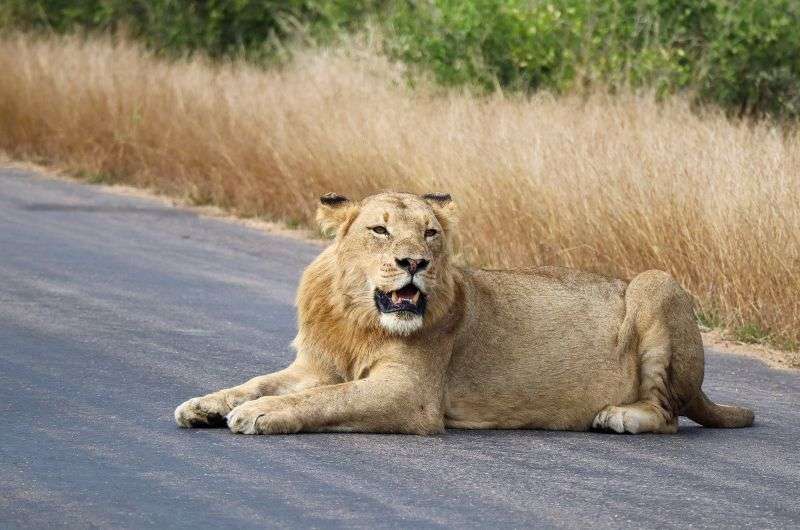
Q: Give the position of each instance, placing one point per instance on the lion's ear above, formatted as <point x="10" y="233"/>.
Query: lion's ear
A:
<point x="444" y="208"/>
<point x="335" y="213"/>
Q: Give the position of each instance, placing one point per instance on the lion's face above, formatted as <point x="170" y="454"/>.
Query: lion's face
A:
<point x="391" y="248"/>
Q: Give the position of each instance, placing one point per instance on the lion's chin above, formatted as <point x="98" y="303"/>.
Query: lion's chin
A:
<point x="402" y="323"/>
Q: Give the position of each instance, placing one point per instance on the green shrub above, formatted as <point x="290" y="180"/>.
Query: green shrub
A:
<point x="253" y="28"/>
<point x="530" y="45"/>
<point x="752" y="61"/>
<point x="744" y="56"/>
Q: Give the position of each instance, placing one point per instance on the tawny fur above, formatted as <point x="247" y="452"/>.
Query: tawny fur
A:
<point x="546" y="348"/>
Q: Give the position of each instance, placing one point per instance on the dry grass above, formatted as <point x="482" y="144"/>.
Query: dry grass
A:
<point x="616" y="185"/>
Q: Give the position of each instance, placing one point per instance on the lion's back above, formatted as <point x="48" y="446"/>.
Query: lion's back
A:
<point x="546" y="301"/>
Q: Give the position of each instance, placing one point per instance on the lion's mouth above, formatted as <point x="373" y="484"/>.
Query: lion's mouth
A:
<point x="408" y="298"/>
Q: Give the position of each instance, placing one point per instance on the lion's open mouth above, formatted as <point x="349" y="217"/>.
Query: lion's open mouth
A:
<point x="407" y="298"/>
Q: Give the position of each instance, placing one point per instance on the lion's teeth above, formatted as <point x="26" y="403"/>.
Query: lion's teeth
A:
<point x="394" y="297"/>
<point x="415" y="298"/>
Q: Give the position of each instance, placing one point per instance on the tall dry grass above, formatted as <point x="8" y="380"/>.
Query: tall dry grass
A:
<point x="610" y="184"/>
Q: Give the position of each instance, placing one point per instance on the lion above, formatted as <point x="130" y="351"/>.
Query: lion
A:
<point x="395" y="338"/>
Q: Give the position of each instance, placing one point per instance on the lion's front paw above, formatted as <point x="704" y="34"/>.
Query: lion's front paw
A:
<point x="205" y="411"/>
<point x="268" y="415"/>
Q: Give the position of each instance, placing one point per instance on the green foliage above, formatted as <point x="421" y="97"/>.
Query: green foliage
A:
<point x="751" y="334"/>
<point x="743" y="55"/>
<point x="95" y="177"/>
<point x="752" y="63"/>
<point x="709" y="319"/>
<point x="253" y="28"/>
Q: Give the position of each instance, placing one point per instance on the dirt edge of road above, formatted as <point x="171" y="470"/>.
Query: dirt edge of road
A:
<point x="309" y="236"/>
<point x="716" y="339"/>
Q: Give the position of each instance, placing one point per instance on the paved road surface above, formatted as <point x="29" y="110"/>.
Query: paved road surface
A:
<point x="114" y="309"/>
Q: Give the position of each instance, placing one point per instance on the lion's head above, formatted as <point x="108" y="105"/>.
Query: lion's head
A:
<point x="391" y="256"/>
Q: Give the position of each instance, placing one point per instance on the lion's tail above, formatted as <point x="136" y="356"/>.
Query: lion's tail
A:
<point x="709" y="414"/>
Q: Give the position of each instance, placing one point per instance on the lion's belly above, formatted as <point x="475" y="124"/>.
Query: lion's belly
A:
<point x="538" y="352"/>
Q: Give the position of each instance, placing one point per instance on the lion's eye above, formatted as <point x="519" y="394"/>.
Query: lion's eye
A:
<point x="430" y="232"/>
<point x="380" y="230"/>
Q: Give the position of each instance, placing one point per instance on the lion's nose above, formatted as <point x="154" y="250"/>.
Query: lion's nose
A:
<point x="411" y="265"/>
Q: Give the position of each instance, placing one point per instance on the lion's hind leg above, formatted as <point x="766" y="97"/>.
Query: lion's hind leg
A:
<point x="651" y="412"/>
<point x="669" y="354"/>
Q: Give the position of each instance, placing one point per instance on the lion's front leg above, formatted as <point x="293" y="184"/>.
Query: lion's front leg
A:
<point x="210" y="410"/>
<point x="389" y="401"/>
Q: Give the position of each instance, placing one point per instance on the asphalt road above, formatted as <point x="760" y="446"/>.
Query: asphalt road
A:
<point x="113" y="310"/>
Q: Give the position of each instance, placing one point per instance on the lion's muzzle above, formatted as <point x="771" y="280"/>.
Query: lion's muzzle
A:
<point x="409" y="299"/>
